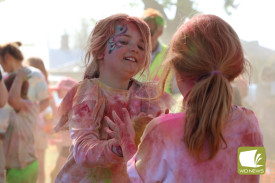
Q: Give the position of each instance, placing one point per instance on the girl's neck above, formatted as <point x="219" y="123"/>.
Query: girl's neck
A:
<point x="122" y="84"/>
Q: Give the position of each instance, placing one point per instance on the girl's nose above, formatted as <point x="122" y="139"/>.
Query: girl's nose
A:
<point x="134" y="48"/>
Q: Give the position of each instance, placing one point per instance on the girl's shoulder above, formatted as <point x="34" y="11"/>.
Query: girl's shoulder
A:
<point x="86" y="87"/>
<point x="243" y="123"/>
<point x="83" y="90"/>
<point x="34" y="73"/>
<point x="243" y="116"/>
<point x="165" y="124"/>
<point x="87" y="83"/>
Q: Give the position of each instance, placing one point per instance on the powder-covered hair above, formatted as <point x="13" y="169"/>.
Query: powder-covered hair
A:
<point x="12" y="49"/>
<point x="103" y="31"/>
<point x="204" y="44"/>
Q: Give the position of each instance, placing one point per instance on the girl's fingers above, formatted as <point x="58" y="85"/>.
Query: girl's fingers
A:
<point x="110" y="132"/>
<point x="111" y="124"/>
<point x="126" y="115"/>
<point x="117" y="119"/>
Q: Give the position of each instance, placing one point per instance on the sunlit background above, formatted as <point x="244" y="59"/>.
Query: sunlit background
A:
<point x="57" y="31"/>
<point x="39" y="24"/>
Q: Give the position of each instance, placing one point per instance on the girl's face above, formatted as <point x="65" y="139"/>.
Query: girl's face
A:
<point x="124" y="54"/>
<point x="6" y="64"/>
<point x="184" y="84"/>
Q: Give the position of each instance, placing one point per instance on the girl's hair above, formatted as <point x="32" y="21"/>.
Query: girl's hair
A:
<point x="208" y="51"/>
<point x="25" y="86"/>
<point x="103" y="31"/>
<point x="39" y="64"/>
<point x="12" y="49"/>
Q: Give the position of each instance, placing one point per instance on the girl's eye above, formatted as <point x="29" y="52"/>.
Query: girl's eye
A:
<point x="123" y="42"/>
<point x="141" y="47"/>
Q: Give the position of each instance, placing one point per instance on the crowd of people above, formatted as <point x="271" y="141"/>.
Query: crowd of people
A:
<point x="144" y="111"/>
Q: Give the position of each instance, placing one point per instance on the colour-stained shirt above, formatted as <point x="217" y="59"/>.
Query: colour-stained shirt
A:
<point x="19" y="145"/>
<point x="91" y="158"/>
<point x="163" y="157"/>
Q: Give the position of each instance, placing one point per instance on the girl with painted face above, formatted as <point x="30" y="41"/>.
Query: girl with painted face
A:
<point x="201" y="144"/>
<point x="119" y="48"/>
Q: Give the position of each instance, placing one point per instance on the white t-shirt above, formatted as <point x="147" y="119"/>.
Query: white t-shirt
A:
<point x="38" y="88"/>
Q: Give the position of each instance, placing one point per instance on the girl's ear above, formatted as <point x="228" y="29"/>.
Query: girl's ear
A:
<point x="101" y="57"/>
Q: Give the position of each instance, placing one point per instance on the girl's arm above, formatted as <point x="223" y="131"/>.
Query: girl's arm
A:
<point x="85" y="121"/>
<point x="89" y="149"/>
<point x="15" y="99"/>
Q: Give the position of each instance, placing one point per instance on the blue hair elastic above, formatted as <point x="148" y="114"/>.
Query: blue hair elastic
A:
<point x="215" y="72"/>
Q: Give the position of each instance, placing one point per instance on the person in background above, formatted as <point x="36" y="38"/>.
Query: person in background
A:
<point x="201" y="144"/>
<point x="11" y="59"/>
<point x="44" y="124"/>
<point x="156" y="23"/>
<point x="62" y="88"/>
<point x="119" y="48"/>
<point x="19" y="144"/>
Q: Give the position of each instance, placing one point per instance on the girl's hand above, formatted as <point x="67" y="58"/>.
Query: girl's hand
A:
<point x="122" y="130"/>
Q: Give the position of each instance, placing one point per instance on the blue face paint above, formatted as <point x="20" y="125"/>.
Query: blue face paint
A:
<point x="113" y="42"/>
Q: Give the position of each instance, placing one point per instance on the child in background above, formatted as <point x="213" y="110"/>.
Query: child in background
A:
<point x="11" y="59"/>
<point x="41" y="133"/>
<point x="119" y="48"/>
<point x="19" y="145"/>
<point x="201" y="144"/>
<point x="61" y="88"/>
